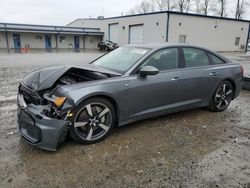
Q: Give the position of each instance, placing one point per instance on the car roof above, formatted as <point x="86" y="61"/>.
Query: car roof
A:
<point x="156" y="46"/>
<point x="162" y="45"/>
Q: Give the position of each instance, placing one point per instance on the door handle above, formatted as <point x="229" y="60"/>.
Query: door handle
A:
<point x="175" y="78"/>
<point x="213" y="74"/>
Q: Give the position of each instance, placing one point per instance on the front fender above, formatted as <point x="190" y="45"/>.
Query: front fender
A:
<point x="95" y="94"/>
<point x="117" y="92"/>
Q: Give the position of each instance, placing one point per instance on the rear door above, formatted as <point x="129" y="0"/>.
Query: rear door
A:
<point x="199" y="78"/>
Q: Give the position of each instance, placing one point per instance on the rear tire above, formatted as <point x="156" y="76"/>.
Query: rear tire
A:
<point x="93" y="120"/>
<point x="222" y="97"/>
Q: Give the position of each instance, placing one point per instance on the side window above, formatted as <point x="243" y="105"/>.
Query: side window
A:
<point x="195" y="57"/>
<point x="166" y="59"/>
<point x="216" y="60"/>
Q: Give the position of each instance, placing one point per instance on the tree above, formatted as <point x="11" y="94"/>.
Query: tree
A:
<point x="197" y="6"/>
<point x="184" y="5"/>
<point x="143" y="7"/>
<point x="222" y="8"/>
<point x="205" y="6"/>
<point x="202" y="6"/>
<point x="188" y="5"/>
<point x="164" y="5"/>
<point x="240" y="9"/>
<point x="161" y="4"/>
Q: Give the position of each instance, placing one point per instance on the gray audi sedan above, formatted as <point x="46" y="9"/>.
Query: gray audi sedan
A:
<point x="129" y="84"/>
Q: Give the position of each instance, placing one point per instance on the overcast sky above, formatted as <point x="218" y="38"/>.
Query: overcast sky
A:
<point x="61" y="12"/>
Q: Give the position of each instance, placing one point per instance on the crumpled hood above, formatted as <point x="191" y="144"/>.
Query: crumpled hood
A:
<point x="45" y="78"/>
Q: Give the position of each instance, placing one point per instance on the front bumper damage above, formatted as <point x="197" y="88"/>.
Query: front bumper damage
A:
<point x="38" y="129"/>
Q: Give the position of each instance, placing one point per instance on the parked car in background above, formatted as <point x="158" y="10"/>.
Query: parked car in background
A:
<point x="107" y="45"/>
<point x="131" y="83"/>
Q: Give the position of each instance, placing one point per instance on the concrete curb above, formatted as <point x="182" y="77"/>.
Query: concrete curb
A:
<point x="246" y="83"/>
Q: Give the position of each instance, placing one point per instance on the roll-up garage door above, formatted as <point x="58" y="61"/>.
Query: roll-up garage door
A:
<point x="135" y="34"/>
<point x="113" y="32"/>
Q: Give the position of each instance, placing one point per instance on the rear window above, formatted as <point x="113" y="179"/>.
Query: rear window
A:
<point x="216" y="60"/>
<point x="195" y="57"/>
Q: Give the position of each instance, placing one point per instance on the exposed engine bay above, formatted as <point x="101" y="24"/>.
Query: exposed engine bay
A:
<point x="72" y="76"/>
<point x="75" y="75"/>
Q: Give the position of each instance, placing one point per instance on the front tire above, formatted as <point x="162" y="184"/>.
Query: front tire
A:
<point x="93" y="121"/>
<point x="222" y="97"/>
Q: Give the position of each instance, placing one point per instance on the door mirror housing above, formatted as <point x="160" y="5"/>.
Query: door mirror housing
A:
<point x="148" y="70"/>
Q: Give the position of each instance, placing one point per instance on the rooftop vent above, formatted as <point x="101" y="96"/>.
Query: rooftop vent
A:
<point x="100" y="17"/>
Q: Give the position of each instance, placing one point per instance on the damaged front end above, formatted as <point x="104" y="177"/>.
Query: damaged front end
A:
<point x="42" y="121"/>
<point x="43" y="117"/>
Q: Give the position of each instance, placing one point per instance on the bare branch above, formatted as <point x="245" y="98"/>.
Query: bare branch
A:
<point x="197" y="6"/>
<point x="184" y="5"/>
<point x="143" y="7"/>
<point x="241" y="9"/>
<point x="222" y="8"/>
<point x="162" y="5"/>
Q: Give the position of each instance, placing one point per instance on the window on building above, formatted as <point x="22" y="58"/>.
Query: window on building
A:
<point x="166" y="59"/>
<point x="182" y="38"/>
<point x="216" y="60"/>
<point x="39" y="37"/>
<point x="195" y="57"/>
<point x="61" y="38"/>
<point x="237" y="41"/>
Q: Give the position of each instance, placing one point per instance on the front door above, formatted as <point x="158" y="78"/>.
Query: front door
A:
<point x="48" y="43"/>
<point x="156" y="93"/>
<point x="17" y="43"/>
<point x="76" y="43"/>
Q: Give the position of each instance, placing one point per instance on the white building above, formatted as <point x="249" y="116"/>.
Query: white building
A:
<point x="219" y="34"/>
<point x="30" y="38"/>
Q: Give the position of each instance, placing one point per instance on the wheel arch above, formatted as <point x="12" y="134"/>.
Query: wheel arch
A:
<point x="233" y="84"/>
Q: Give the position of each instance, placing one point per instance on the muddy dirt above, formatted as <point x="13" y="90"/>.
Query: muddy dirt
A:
<point x="195" y="148"/>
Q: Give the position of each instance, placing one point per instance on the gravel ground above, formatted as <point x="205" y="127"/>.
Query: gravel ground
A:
<point x="195" y="148"/>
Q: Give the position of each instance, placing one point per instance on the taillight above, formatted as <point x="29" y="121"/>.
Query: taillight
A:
<point x="241" y="70"/>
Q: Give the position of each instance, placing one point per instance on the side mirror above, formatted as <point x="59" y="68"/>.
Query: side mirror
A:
<point x="148" y="70"/>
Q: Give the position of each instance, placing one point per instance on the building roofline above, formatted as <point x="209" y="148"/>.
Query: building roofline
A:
<point x="53" y="26"/>
<point x="52" y="31"/>
<point x="208" y="16"/>
<point x="166" y="12"/>
<point x="48" y="29"/>
<point x="84" y="19"/>
<point x="73" y="21"/>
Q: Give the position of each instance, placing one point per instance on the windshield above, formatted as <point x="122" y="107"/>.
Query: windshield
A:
<point x="121" y="59"/>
